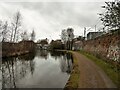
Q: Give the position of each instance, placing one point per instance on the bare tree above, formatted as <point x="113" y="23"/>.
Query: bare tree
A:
<point x="1" y="24"/>
<point x="64" y="36"/>
<point x="70" y="35"/>
<point x="33" y="35"/>
<point x="67" y="36"/>
<point x="16" y="25"/>
<point x="5" y="32"/>
<point x="24" y="35"/>
<point x="12" y="32"/>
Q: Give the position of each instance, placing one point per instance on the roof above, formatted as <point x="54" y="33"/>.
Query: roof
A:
<point x="94" y="32"/>
<point x="78" y="42"/>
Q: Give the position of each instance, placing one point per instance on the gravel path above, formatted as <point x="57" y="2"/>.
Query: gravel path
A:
<point x="91" y="76"/>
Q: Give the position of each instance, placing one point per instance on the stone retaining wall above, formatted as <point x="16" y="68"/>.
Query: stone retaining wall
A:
<point x="106" y="47"/>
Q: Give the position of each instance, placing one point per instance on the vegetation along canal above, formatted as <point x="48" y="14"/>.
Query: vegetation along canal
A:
<point x="41" y="69"/>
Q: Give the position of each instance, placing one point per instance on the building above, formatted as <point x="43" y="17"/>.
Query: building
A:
<point x="78" y="43"/>
<point x="42" y="44"/>
<point x="93" y="35"/>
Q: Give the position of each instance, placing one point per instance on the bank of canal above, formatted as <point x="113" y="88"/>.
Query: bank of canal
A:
<point x="73" y="81"/>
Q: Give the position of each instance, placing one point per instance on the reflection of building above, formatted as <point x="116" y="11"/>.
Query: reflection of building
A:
<point x="42" y="53"/>
<point x="92" y="35"/>
<point x="42" y="44"/>
<point x="45" y="47"/>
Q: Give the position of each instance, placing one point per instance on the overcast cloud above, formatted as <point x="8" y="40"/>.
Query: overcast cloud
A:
<point x="49" y="18"/>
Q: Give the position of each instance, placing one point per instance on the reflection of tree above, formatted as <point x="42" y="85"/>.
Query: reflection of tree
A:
<point x="32" y="65"/>
<point x="66" y="63"/>
<point x="15" y="68"/>
<point x="56" y="54"/>
<point x="29" y="56"/>
<point x="7" y="74"/>
<point x="3" y="81"/>
<point x="42" y="54"/>
<point x="63" y="64"/>
<point x="66" y="60"/>
<point x="13" y="74"/>
<point x="69" y="62"/>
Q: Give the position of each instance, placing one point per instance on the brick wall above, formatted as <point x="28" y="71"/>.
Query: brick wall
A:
<point x="106" y="47"/>
<point x="13" y="49"/>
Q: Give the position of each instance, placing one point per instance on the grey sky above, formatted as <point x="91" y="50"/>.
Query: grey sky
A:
<point x="49" y="18"/>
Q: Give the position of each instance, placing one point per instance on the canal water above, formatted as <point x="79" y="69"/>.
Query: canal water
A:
<point x="41" y="69"/>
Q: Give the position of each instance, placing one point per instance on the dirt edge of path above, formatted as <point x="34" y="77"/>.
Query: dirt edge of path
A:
<point x="73" y="81"/>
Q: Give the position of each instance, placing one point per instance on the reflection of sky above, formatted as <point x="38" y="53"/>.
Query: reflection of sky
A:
<point x="46" y="73"/>
<point x="0" y="72"/>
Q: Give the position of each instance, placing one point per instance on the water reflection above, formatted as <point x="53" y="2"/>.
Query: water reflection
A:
<point x="42" y="54"/>
<point x="57" y="54"/>
<point x="66" y="63"/>
<point x="0" y="73"/>
<point x="15" y="68"/>
<point x="31" y="67"/>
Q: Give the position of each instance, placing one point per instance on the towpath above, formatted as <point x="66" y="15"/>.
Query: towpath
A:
<point x="91" y="75"/>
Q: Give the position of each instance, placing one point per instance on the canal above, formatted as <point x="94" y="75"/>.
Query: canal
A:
<point x="41" y="69"/>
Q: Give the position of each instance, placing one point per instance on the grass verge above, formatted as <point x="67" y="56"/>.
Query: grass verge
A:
<point x="111" y="70"/>
<point x="74" y="77"/>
